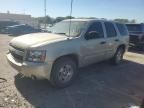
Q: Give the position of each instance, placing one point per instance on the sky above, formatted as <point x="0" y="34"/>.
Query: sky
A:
<point x="110" y="9"/>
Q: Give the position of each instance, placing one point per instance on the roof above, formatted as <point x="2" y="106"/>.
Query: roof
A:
<point x="135" y="24"/>
<point x="93" y="19"/>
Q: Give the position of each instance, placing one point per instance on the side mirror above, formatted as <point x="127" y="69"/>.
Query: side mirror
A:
<point x="92" y="35"/>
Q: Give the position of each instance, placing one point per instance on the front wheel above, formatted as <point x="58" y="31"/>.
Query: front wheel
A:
<point x="118" y="57"/>
<point x="63" y="72"/>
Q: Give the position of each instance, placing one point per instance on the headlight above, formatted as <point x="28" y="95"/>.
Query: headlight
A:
<point x="36" y="55"/>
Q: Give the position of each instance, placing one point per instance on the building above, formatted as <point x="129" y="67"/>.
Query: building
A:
<point x="20" y="18"/>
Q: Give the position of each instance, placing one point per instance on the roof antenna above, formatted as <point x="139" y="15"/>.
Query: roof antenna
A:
<point x="70" y="16"/>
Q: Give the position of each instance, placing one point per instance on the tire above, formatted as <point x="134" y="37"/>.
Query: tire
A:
<point x="63" y="72"/>
<point x="118" y="57"/>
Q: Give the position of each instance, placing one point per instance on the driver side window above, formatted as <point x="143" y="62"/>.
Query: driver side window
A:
<point x="95" y="31"/>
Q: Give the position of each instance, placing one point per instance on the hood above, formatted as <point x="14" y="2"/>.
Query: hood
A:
<point x="136" y="33"/>
<point x="28" y="40"/>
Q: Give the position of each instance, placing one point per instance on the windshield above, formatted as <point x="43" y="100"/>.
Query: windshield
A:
<point x="63" y="28"/>
<point x="134" y="27"/>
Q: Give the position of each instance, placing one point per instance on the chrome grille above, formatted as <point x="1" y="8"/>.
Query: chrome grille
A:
<point x="18" y="57"/>
<point x="17" y="53"/>
<point x="19" y="49"/>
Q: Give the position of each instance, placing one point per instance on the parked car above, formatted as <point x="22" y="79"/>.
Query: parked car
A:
<point x="136" y="34"/>
<point x="4" y="24"/>
<point x="47" y="28"/>
<point x="56" y="56"/>
<point x="21" y="29"/>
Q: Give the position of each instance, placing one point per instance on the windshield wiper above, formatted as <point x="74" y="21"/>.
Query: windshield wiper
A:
<point x="62" y="34"/>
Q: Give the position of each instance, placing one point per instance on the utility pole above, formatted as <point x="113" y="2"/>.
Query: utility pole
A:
<point x="45" y="12"/>
<point x="71" y="9"/>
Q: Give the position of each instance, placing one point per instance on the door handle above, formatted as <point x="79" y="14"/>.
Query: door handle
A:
<point x="103" y="42"/>
<point x="116" y="40"/>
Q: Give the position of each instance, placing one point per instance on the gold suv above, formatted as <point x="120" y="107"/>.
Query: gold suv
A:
<point x="69" y="45"/>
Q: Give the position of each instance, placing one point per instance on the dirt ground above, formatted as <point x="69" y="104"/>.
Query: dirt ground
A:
<point x="97" y="86"/>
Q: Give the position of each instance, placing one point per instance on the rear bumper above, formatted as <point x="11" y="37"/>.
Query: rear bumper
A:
<point x="29" y="69"/>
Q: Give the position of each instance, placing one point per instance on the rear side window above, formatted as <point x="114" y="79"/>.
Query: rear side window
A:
<point x="110" y="29"/>
<point x="122" y="29"/>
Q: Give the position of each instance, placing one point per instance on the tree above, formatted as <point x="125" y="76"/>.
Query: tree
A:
<point x="125" y="20"/>
<point x="122" y="20"/>
<point x="58" y="19"/>
<point x="87" y="17"/>
<point x="133" y="21"/>
<point x="47" y="20"/>
<point x="69" y="17"/>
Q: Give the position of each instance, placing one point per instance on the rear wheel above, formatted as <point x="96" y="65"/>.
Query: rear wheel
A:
<point x="63" y="72"/>
<point x="118" y="57"/>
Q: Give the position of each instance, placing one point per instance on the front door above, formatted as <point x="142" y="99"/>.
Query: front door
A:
<point x="93" y="48"/>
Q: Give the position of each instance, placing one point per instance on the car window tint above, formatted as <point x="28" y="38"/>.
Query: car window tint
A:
<point x="134" y="27"/>
<point x="97" y="27"/>
<point x="110" y="29"/>
<point x="122" y="29"/>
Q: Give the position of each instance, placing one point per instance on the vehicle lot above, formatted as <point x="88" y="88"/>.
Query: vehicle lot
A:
<point x="97" y="86"/>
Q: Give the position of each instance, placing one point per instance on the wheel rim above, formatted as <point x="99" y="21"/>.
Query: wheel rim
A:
<point x="65" y="73"/>
<point x="119" y="56"/>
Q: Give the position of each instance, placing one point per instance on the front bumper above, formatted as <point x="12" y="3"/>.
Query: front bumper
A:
<point x="29" y="69"/>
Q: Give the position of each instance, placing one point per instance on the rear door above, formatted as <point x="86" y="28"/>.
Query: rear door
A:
<point x="123" y="33"/>
<point x="93" y="49"/>
<point x="112" y="39"/>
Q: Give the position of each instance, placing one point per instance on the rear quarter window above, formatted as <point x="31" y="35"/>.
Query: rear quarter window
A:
<point x="110" y="30"/>
<point x="122" y="29"/>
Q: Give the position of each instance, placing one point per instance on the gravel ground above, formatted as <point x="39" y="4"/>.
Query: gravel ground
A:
<point x="97" y="86"/>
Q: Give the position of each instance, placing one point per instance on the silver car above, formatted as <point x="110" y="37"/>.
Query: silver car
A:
<point x="69" y="45"/>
